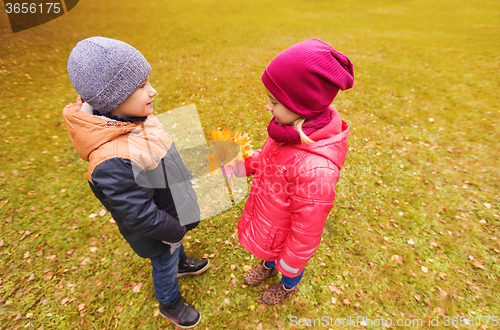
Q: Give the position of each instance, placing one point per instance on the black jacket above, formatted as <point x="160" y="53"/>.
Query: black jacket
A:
<point x="137" y="174"/>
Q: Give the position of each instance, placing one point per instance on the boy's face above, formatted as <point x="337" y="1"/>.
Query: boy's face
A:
<point x="282" y="115"/>
<point x="139" y="104"/>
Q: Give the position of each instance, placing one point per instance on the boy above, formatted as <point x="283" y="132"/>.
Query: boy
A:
<point x="134" y="168"/>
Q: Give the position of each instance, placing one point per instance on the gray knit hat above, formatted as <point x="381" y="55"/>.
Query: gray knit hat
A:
<point x="105" y="72"/>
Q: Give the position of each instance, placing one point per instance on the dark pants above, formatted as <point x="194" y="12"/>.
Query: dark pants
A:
<point x="165" y="268"/>
<point x="288" y="282"/>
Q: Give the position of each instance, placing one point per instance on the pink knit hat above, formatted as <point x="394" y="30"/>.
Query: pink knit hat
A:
<point x="306" y="77"/>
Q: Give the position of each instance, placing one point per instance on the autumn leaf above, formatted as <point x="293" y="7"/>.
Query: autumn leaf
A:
<point x="226" y="153"/>
<point x="416" y="296"/>
<point x="333" y="288"/>
<point x="137" y="288"/>
<point x="479" y="263"/>
<point x="346" y="302"/>
<point x="101" y="310"/>
<point x="439" y="311"/>
<point x="398" y="259"/>
<point x="48" y="276"/>
<point x="442" y="292"/>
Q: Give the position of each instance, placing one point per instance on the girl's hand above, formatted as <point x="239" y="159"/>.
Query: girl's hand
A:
<point x="238" y="169"/>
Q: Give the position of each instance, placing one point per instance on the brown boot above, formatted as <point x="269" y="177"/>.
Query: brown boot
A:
<point x="259" y="274"/>
<point x="277" y="293"/>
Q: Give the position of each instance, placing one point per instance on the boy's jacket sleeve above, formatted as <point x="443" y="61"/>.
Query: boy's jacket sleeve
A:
<point x="133" y="205"/>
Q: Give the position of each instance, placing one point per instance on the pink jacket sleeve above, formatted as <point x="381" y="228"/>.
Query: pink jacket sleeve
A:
<point x="312" y="198"/>
<point x="252" y="163"/>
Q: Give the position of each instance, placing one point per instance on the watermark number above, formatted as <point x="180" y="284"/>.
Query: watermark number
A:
<point x="25" y="7"/>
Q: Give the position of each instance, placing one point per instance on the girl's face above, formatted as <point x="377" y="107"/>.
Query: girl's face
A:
<point x="282" y="115"/>
<point x="139" y="104"/>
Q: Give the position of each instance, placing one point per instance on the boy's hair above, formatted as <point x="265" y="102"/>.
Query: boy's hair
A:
<point x="105" y="72"/>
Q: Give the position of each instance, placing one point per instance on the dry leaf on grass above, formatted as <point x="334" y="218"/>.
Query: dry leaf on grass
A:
<point x="333" y="288"/>
<point x="137" y="288"/>
<point x="48" y="276"/>
<point x="442" y="292"/>
<point x="479" y="263"/>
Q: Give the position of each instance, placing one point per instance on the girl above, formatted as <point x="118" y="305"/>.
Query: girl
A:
<point x="296" y="171"/>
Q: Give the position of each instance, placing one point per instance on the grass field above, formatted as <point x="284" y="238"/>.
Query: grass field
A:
<point x="415" y="230"/>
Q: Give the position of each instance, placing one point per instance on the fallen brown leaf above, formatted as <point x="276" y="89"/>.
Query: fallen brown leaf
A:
<point x="479" y="263"/>
<point x="48" y="276"/>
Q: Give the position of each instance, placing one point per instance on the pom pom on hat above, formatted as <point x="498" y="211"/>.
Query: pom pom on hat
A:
<point x="306" y="77"/>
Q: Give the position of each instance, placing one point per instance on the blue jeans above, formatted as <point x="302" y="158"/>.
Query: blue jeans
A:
<point x="288" y="282"/>
<point x="165" y="268"/>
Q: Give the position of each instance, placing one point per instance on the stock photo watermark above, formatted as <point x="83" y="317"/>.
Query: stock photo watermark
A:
<point x="25" y="14"/>
<point x="387" y="322"/>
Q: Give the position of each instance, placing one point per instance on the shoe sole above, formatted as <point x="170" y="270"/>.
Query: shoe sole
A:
<point x="197" y="272"/>
<point x="181" y="326"/>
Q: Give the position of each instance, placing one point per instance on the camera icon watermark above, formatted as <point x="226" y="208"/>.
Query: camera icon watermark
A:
<point x="191" y="167"/>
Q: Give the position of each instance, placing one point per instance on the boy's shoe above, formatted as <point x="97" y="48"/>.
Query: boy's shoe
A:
<point x="277" y="293"/>
<point x="180" y="313"/>
<point x="190" y="266"/>
<point x="259" y="274"/>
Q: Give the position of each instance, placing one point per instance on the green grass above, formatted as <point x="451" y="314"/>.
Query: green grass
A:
<point x="406" y="178"/>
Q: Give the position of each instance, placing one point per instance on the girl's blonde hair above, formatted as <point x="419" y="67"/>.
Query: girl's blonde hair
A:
<point x="303" y="137"/>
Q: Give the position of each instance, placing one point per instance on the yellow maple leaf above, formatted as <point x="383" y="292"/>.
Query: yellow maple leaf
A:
<point x="228" y="148"/>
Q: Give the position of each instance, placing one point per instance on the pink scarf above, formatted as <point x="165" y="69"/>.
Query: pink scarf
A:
<point x="290" y="135"/>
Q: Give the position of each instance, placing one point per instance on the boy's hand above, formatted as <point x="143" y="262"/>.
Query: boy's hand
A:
<point x="174" y="246"/>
